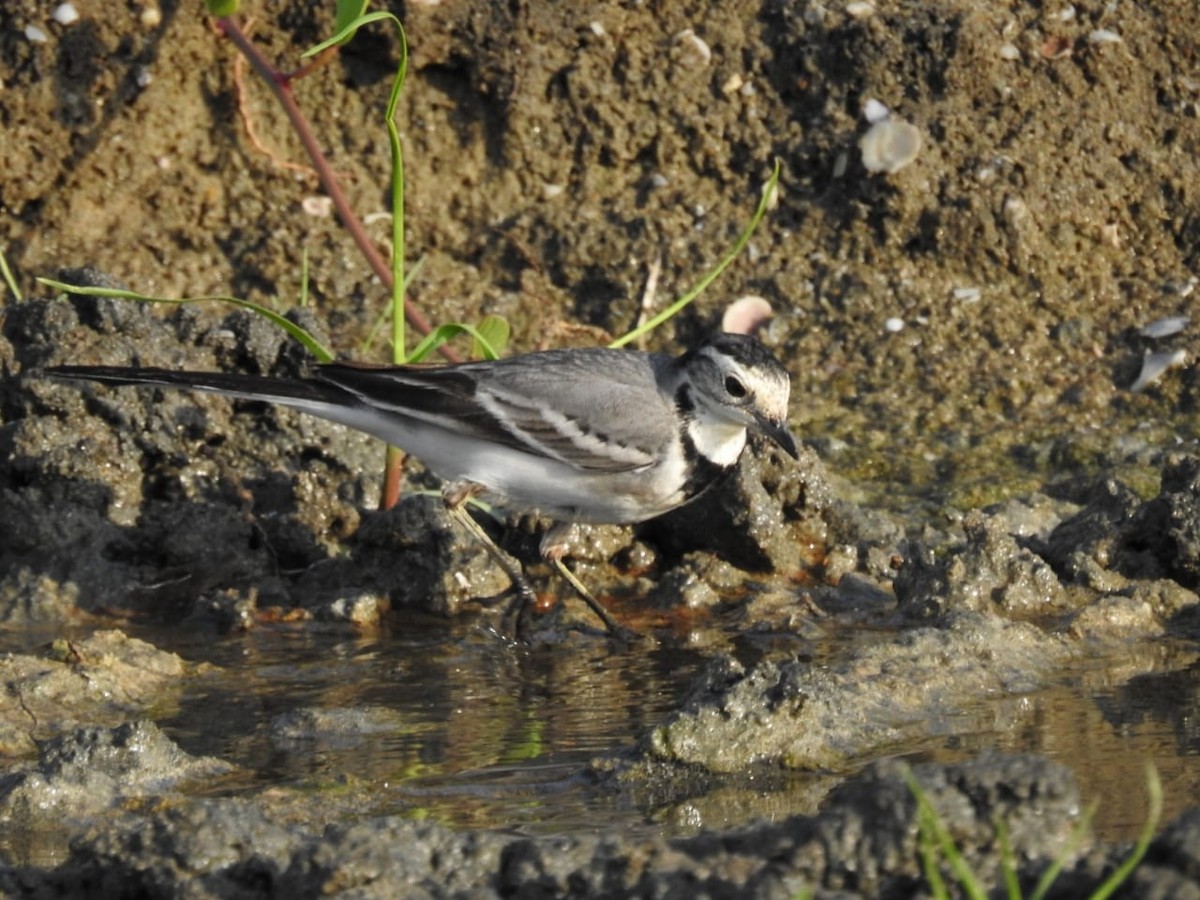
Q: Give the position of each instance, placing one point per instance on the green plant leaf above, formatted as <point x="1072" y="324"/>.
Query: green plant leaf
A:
<point x="712" y="274"/>
<point x="447" y="332"/>
<point x="300" y="334"/>
<point x="346" y="32"/>
<point x="347" y="12"/>
<point x="495" y="331"/>
<point x="222" y="8"/>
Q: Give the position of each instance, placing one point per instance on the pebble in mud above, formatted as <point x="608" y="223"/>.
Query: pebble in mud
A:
<point x="1154" y="366"/>
<point x="65" y="14"/>
<point x="692" y="50"/>
<point x="890" y="145"/>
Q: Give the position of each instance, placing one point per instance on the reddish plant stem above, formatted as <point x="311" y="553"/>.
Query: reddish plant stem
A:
<point x="393" y="463"/>
<point x="280" y="85"/>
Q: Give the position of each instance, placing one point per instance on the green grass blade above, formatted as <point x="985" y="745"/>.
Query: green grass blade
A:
<point x="344" y="34"/>
<point x="495" y="331"/>
<point x="931" y="822"/>
<point x="927" y="841"/>
<point x="1117" y="878"/>
<point x="300" y="334"/>
<point x="1076" y="838"/>
<point x="10" y="279"/>
<point x="303" y="277"/>
<point x="398" y="243"/>
<point x="447" y="332"/>
<point x="1008" y="865"/>
<point x="385" y="314"/>
<point x="744" y="238"/>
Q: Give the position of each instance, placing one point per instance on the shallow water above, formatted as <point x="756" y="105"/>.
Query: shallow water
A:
<point x="466" y="728"/>
<point x="471" y="731"/>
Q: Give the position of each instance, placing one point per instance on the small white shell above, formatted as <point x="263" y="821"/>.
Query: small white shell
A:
<point x="893" y="325"/>
<point x="1009" y="52"/>
<point x="1165" y="327"/>
<point x="859" y="9"/>
<point x="875" y="111"/>
<point x="65" y="14"/>
<point x="840" y="163"/>
<point x="319" y="207"/>
<point x="151" y="16"/>
<point x="966" y="294"/>
<point x="1154" y="365"/>
<point x="1104" y="36"/>
<point x="35" y="35"/>
<point x="696" y="52"/>
<point x="890" y="145"/>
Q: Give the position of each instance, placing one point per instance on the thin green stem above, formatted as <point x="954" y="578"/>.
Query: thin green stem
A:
<point x="281" y="88"/>
<point x="399" y="351"/>
<point x="300" y="334"/>
<point x="1117" y="878"/>
<point x="709" y="277"/>
<point x="9" y="279"/>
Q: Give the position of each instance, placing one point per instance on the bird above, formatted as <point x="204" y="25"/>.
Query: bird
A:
<point x="594" y="434"/>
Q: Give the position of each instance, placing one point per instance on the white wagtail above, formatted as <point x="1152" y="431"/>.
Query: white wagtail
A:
<point x="589" y="435"/>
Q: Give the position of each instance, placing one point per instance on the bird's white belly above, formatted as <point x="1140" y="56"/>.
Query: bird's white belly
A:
<point x="525" y="482"/>
<point x="530" y="482"/>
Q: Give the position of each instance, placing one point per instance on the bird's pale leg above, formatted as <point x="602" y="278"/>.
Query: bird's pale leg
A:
<point x="554" y="545"/>
<point x="455" y="496"/>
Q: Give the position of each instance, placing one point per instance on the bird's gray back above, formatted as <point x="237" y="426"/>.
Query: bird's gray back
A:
<point x="623" y="389"/>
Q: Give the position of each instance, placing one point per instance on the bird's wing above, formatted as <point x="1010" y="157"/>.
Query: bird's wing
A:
<point x="595" y="410"/>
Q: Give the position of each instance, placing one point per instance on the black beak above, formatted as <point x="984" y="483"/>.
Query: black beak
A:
<point x="777" y="431"/>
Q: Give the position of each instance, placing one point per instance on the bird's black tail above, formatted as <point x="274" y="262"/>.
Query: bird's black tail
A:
<point x="312" y="395"/>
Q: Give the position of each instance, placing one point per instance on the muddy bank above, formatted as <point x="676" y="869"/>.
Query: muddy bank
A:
<point x="863" y="845"/>
<point x="992" y="605"/>
<point x="983" y="503"/>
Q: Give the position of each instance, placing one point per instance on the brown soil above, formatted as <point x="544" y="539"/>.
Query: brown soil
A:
<point x="555" y="150"/>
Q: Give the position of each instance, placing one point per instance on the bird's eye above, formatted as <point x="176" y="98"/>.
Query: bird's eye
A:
<point x="734" y="388"/>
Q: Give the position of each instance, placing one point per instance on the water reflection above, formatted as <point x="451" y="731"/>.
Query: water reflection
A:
<point x="450" y="723"/>
<point x="1106" y="718"/>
